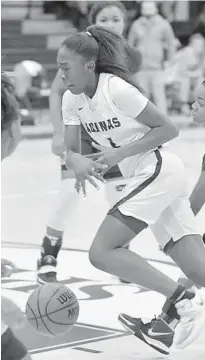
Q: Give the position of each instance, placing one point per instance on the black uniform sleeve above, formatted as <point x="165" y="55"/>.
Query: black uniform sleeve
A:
<point x="203" y="163"/>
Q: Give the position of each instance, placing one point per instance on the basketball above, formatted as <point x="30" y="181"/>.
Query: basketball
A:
<point x="52" y="309"/>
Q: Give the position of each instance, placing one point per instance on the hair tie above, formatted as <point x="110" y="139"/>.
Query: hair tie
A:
<point x="88" y="33"/>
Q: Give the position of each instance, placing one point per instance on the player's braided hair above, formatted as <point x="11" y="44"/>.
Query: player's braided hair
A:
<point x="9" y="104"/>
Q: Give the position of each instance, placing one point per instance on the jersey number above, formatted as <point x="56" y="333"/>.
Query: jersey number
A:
<point x="112" y="143"/>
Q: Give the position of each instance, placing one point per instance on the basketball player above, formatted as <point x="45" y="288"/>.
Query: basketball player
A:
<point x="11" y="347"/>
<point x="111" y="15"/>
<point x="197" y="199"/>
<point x="115" y="113"/>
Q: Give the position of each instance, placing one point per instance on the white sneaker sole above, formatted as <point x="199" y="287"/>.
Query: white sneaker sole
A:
<point x="199" y="326"/>
<point x="46" y="269"/>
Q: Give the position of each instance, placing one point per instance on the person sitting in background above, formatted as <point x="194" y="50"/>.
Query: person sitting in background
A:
<point x="151" y="34"/>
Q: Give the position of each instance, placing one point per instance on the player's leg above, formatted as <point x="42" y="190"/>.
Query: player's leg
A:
<point x="65" y="205"/>
<point x="187" y="250"/>
<point x="108" y="253"/>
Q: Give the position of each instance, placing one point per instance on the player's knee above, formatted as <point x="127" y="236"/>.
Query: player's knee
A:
<point x="96" y="257"/>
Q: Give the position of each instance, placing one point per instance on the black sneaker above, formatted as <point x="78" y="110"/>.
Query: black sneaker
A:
<point x="156" y="333"/>
<point x="46" y="269"/>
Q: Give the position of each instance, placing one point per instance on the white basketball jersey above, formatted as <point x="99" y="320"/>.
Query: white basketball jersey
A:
<point x="104" y="121"/>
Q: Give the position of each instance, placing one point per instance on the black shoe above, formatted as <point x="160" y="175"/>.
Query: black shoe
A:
<point x="46" y="269"/>
<point x="156" y="333"/>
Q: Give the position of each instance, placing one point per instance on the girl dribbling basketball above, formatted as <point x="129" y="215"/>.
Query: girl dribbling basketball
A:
<point x="113" y="111"/>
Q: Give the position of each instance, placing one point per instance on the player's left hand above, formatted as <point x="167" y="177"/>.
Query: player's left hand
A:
<point x="107" y="155"/>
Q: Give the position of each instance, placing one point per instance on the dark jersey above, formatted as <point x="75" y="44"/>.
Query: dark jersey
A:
<point x="203" y="163"/>
<point x="11" y="347"/>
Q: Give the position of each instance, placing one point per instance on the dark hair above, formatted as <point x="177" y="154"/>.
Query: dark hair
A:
<point x="9" y="104"/>
<point x="100" y="5"/>
<point x="109" y="51"/>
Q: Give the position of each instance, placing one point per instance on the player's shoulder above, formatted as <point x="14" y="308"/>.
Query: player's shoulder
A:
<point x="71" y="100"/>
<point x="117" y="85"/>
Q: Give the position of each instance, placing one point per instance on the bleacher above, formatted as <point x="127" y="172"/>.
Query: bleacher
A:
<point x="28" y="34"/>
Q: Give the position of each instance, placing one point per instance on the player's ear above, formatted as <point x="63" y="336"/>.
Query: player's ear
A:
<point x="90" y="66"/>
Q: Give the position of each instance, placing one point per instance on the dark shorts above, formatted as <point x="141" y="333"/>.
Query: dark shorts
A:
<point x="11" y="347"/>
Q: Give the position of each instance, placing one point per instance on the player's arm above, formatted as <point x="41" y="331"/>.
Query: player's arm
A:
<point x="83" y="167"/>
<point x="55" y="101"/>
<point x="133" y="103"/>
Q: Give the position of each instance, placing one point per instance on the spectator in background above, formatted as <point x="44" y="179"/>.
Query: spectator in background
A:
<point x="190" y="67"/>
<point x="153" y="35"/>
<point x="200" y="22"/>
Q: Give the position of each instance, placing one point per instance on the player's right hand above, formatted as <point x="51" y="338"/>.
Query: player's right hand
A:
<point x="58" y="146"/>
<point x="85" y="169"/>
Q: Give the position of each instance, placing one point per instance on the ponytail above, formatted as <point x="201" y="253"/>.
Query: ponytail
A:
<point x="110" y="51"/>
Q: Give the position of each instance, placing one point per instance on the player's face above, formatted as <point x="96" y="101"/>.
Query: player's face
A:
<point x="74" y="70"/>
<point x="198" y="108"/>
<point x="112" y="18"/>
<point x="10" y="139"/>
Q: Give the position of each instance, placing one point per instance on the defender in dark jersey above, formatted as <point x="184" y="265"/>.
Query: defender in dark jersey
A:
<point x="11" y="347"/>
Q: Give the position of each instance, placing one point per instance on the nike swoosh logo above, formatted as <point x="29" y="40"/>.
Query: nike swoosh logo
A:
<point x="80" y="108"/>
<point x="150" y="332"/>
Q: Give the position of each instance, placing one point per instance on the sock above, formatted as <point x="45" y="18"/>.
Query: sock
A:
<point x="51" y="246"/>
<point x="169" y="313"/>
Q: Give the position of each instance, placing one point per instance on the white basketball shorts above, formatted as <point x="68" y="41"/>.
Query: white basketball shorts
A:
<point x="157" y="194"/>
